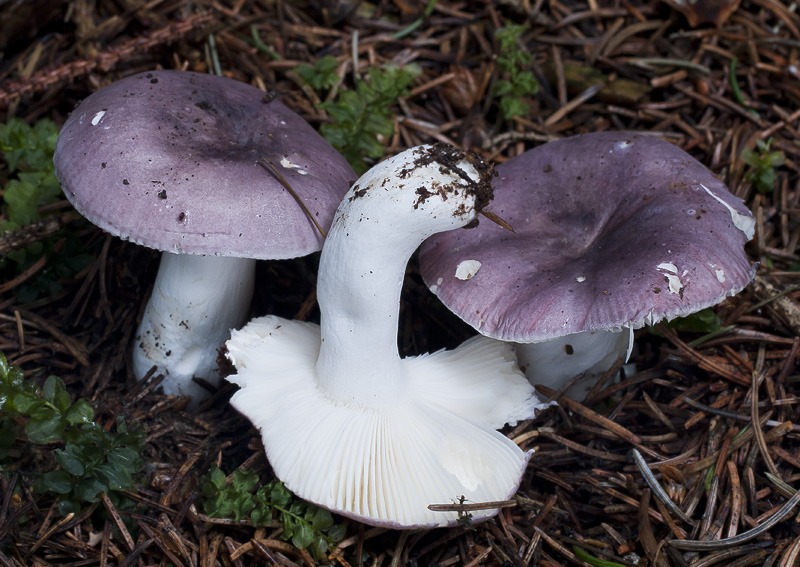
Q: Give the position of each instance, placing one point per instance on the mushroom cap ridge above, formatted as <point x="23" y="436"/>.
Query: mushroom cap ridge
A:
<point x="612" y="229"/>
<point x="170" y="160"/>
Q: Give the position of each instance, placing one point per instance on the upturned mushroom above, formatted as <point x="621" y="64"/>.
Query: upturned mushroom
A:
<point x="348" y="424"/>
<point x="172" y="160"/>
<point x="613" y="231"/>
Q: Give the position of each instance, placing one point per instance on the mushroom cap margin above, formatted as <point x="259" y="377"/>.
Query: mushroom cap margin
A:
<point x="613" y="229"/>
<point x="170" y="160"/>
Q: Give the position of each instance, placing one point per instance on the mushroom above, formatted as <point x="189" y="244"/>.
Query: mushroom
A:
<point x="591" y="354"/>
<point x="348" y="424"/>
<point x="613" y="231"/>
<point x="172" y="160"/>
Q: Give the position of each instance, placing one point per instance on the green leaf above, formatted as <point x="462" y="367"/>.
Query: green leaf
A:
<point x="79" y="412"/>
<point x="749" y="157"/>
<point x="68" y="507"/>
<point x="27" y="193"/>
<point x="26" y="403"/>
<point x="303" y="536"/>
<point x="380" y="125"/>
<point x="513" y="106"/>
<point x="45" y="431"/>
<point x="280" y="495"/>
<point x="526" y="83"/>
<point x="290" y="525"/>
<point x="71" y="459"/>
<point x="502" y="88"/>
<point x="303" y="523"/>
<point x="26" y="155"/>
<point x="16" y="379"/>
<point x="218" y="506"/>
<point x="319" y="518"/>
<point x="5" y="367"/>
<point x="42" y="411"/>
<point x="87" y="489"/>
<point x="91" y="459"/>
<point x="53" y="386"/>
<point x="323" y="75"/>
<point x="113" y="478"/>
<point x="363" y="114"/>
<point x="242" y="506"/>
<point x="244" y="480"/>
<point x="261" y="515"/>
<point x="125" y="458"/>
<point x="762" y="164"/>
<point x="93" y="453"/>
<point x="122" y="427"/>
<point x="703" y="321"/>
<point x="217" y="478"/>
<point x="508" y="36"/>
<point x="517" y="82"/>
<point x="59" y="482"/>
<point x="318" y="547"/>
<point x="337" y="533"/>
<point x="93" y="434"/>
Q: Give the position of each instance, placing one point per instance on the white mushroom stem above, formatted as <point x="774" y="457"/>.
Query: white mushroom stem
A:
<point x="196" y="301"/>
<point x="553" y="363"/>
<point x="380" y="223"/>
<point x="346" y="423"/>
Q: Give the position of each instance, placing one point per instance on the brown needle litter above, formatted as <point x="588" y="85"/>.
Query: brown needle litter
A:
<point x="727" y="455"/>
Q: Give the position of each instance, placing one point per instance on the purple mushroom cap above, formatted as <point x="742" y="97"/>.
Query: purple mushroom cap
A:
<point x="612" y="230"/>
<point x="171" y="160"/>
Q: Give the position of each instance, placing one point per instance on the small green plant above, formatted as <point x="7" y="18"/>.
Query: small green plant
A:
<point x="306" y="525"/>
<point x="363" y="114"/>
<point x="322" y="75"/>
<point x="518" y="82"/>
<point x="703" y="321"/>
<point x="30" y="180"/>
<point x="91" y="460"/>
<point x="762" y="164"/>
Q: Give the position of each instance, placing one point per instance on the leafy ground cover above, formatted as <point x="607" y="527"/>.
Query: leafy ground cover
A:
<point x="378" y="77"/>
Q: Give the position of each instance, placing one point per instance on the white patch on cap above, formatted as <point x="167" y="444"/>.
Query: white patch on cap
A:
<point x="439" y="281"/>
<point x="580" y="279"/>
<point x="744" y="223"/>
<point x="624" y="145"/>
<point x="98" y="117"/>
<point x="467" y="269"/>
<point x="670" y="271"/>
<point x="720" y="275"/>
<point x="668" y="266"/>
<point x="434" y="288"/>
<point x="285" y="162"/>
